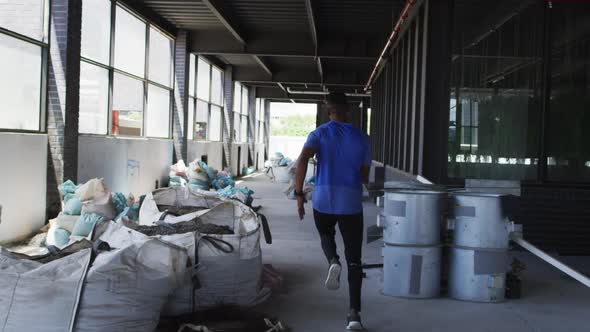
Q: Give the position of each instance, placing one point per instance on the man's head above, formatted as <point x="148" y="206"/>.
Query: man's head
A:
<point x="337" y="106"/>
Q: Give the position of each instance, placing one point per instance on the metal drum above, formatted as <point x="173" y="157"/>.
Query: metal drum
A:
<point x="413" y="217"/>
<point x="479" y="257"/>
<point x="412" y="272"/>
<point x="411" y="231"/>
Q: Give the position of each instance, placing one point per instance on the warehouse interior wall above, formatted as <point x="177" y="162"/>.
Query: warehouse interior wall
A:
<point x="128" y="165"/>
<point x="24" y="178"/>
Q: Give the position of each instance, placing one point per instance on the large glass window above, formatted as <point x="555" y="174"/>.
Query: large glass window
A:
<point x="130" y="37"/>
<point x="94" y="99"/>
<point x="141" y="94"/>
<point x="20" y="86"/>
<point x="495" y="102"/>
<point x="568" y="134"/>
<point x="216" y="123"/>
<point x="203" y="79"/>
<point x="127" y="114"/>
<point x="206" y="99"/>
<point x="25" y="17"/>
<point x="96" y="30"/>
<point x="201" y="120"/>
<point x="240" y="113"/>
<point x="260" y="120"/>
<point x="158" y="112"/>
<point x="161" y="52"/>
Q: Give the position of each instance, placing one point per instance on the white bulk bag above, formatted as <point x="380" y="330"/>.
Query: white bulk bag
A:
<point x="40" y="297"/>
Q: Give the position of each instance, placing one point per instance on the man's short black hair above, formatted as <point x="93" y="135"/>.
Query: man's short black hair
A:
<point x="336" y="98"/>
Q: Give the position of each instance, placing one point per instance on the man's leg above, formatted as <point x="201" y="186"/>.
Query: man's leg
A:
<point x="351" y="228"/>
<point x="326" y="225"/>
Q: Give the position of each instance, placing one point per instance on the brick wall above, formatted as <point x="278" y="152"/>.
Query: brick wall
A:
<point x="63" y="97"/>
<point x="180" y="110"/>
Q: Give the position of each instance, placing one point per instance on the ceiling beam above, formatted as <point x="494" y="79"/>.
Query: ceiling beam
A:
<point x="220" y="11"/>
<point x="253" y="75"/>
<point x="262" y="64"/>
<point x="312" y="23"/>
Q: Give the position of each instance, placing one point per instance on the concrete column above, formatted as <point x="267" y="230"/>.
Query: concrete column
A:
<point x="228" y="117"/>
<point x="63" y="97"/>
<point x="180" y="110"/>
<point x="251" y="126"/>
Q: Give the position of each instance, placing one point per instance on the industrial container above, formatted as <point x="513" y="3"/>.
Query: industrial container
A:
<point x="412" y="272"/>
<point x="411" y="221"/>
<point x="478" y="258"/>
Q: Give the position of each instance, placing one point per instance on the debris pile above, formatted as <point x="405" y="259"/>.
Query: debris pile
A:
<point x="180" y="251"/>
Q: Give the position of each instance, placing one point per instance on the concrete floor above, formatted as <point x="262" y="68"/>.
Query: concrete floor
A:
<point x="551" y="301"/>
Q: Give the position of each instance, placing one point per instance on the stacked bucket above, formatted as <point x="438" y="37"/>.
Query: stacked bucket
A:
<point x="411" y="225"/>
<point x="478" y="257"/>
<point x="412" y="221"/>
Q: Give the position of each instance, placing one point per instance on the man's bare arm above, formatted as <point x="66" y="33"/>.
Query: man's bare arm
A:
<point x="306" y="154"/>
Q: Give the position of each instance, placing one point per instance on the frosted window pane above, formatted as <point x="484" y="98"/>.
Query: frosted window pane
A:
<point x="160" y="65"/>
<point x="191" y="75"/>
<point x="201" y="120"/>
<point x="203" y="83"/>
<point x="237" y="127"/>
<point x="158" y="112"/>
<point x="127" y="106"/>
<point x="191" y="119"/>
<point x="96" y="30"/>
<point x="94" y="99"/>
<point x="216" y="86"/>
<point x="237" y="97"/>
<point x="244" y="130"/>
<point x="215" y="130"/>
<point x="245" y="100"/>
<point x="20" y="84"/>
<point x="129" y="43"/>
<point x="26" y="17"/>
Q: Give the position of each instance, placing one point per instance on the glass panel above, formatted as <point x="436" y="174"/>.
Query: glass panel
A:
<point x="568" y="135"/>
<point x="158" y="112"/>
<point x="216" y="86"/>
<point x="216" y="123"/>
<point x="203" y="79"/>
<point x="94" y="99"/>
<point x="127" y="115"/>
<point x="245" y="100"/>
<point x="20" y="84"/>
<point x="201" y="120"/>
<point x="191" y="119"/>
<point x="129" y="43"/>
<point x="237" y="127"/>
<point x="160" y="54"/>
<point x="237" y="97"/>
<point x="495" y="100"/>
<point x="96" y="30"/>
<point x="191" y="75"/>
<point x="244" y="129"/>
<point x="26" y="17"/>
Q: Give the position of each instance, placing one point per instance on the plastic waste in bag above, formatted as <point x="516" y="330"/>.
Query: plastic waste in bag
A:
<point x="177" y="181"/>
<point x="91" y="189"/>
<point x="72" y="205"/>
<point x="57" y="236"/>
<point x="68" y="187"/>
<point x="178" y="169"/>
<point x="119" y="201"/>
<point x="85" y="224"/>
<point x="221" y="182"/>
<point x="199" y="184"/>
<point x="102" y="205"/>
<point x="211" y="173"/>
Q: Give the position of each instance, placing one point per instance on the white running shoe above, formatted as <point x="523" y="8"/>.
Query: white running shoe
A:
<point x="354" y="321"/>
<point x="333" y="279"/>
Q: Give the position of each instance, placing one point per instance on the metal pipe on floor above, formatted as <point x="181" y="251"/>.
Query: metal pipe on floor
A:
<point x="551" y="260"/>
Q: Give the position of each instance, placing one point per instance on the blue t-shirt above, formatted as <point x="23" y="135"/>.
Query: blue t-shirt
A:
<point x="341" y="151"/>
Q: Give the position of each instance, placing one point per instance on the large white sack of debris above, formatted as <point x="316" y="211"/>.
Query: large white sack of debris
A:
<point x="36" y="296"/>
<point x="226" y="268"/>
<point x="127" y="287"/>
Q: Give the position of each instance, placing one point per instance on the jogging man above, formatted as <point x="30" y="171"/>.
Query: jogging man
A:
<point x="343" y="162"/>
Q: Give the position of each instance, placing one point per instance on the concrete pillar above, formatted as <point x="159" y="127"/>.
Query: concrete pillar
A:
<point x="180" y="110"/>
<point x="63" y="97"/>
<point x="251" y="126"/>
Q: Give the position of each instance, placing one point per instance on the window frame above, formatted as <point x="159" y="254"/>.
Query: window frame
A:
<point x="43" y="75"/>
<point x="145" y="81"/>
<point x="194" y="99"/>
